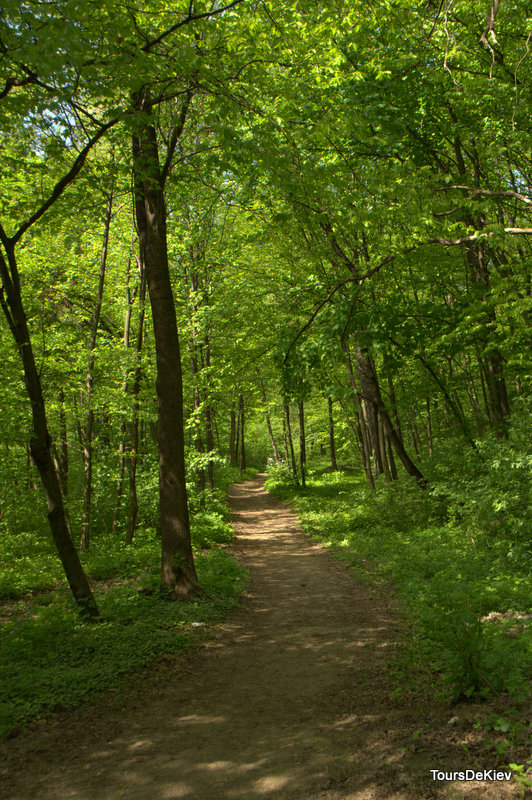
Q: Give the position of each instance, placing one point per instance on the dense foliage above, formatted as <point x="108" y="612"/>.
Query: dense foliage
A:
<point x="464" y="581"/>
<point x="246" y="231"/>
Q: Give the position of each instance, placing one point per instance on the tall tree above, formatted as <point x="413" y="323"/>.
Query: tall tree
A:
<point x="178" y="574"/>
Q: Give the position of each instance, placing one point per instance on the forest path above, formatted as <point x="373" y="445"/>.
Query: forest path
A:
<point x="288" y="700"/>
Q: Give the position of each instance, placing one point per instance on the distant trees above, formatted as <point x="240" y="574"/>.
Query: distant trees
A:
<point x="332" y="207"/>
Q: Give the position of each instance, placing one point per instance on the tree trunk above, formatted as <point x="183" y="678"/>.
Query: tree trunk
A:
<point x="242" y="444"/>
<point x="209" y="417"/>
<point x="492" y="360"/>
<point x="290" y="443"/>
<point x="130" y="296"/>
<point x="332" y="444"/>
<point x="133" y="505"/>
<point x="371" y="412"/>
<point x="216" y="430"/>
<point x="481" y="373"/>
<point x="30" y="480"/>
<point x="362" y="432"/>
<point x="285" y="440"/>
<point x="395" y="410"/>
<point x="89" y="424"/>
<point x="371" y="419"/>
<point x="267" y="415"/>
<point x="41" y="441"/>
<point x="371" y="386"/>
<point x="391" y="460"/>
<point x="63" y="449"/>
<point x="209" y="440"/>
<point x="237" y="437"/>
<point x="472" y="393"/>
<point x="429" y="428"/>
<point x="382" y="448"/>
<point x="477" y="257"/>
<point x="416" y="442"/>
<point x="198" y="439"/>
<point x="197" y="349"/>
<point x="178" y="573"/>
<point x="232" y="436"/>
<point x="448" y="402"/>
<point x="135" y="391"/>
<point x="120" y="478"/>
<point x="302" y="443"/>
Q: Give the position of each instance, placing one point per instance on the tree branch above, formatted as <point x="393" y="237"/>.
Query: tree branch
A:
<point x="11" y="83"/>
<point x="473" y="238"/>
<point x="61" y="185"/>
<point x="176" y="135"/>
<point x="189" y="18"/>
<point x="6" y="285"/>
<point x="391" y="257"/>
<point x="488" y="193"/>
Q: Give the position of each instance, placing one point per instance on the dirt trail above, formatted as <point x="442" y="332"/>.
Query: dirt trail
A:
<point x="289" y="700"/>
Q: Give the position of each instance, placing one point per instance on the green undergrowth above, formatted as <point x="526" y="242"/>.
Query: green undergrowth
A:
<point x="29" y="563"/>
<point x="50" y="659"/>
<point x="465" y="587"/>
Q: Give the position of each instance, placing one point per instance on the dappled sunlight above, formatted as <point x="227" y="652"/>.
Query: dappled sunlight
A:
<point x="269" y="783"/>
<point x="175" y="791"/>
<point x="289" y="700"/>
<point x="196" y="719"/>
<point x="141" y="745"/>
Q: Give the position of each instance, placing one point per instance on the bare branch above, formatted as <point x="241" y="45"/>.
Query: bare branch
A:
<point x="7" y="286"/>
<point x="61" y="185"/>
<point x="489" y="193"/>
<point x="189" y="18"/>
<point x="489" y="30"/>
<point x="176" y="135"/>
<point x="516" y="82"/>
<point x="7" y="313"/>
<point x="474" y="237"/>
<point x="11" y="83"/>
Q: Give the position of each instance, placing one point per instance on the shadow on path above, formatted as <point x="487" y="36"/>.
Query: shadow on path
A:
<point x="290" y="699"/>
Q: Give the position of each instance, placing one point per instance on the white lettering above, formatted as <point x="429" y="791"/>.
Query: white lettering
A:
<point x="470" y="775"/>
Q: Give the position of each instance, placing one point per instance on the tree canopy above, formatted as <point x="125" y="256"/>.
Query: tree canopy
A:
<point x="227" y="226"/>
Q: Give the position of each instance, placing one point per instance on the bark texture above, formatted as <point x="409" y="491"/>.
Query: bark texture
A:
<point x="41" y="441"/>
<point x="302" y="443"/>
<point x="178" y="574"/>
<point x="332" y="443"/>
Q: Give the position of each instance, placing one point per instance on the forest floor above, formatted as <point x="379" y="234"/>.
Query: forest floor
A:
<point x="290" y="698"/>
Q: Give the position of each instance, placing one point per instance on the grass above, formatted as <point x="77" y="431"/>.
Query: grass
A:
<point x="50" y="659"/>
<point x="466" y="596"/>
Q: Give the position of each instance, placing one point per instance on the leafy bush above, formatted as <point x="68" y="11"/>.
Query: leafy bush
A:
<point x="209" y="528"/>
<point x="279" y="475"/>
